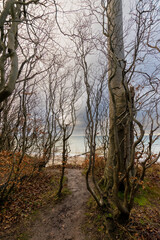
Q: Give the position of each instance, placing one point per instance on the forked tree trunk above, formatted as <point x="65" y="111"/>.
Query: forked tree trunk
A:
<point x="120" y="126"/>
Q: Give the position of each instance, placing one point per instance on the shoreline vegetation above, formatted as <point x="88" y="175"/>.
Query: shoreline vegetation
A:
<point x="87" y="67"/>
<point x="39" y="193"/>
<point x="144" y="221"/>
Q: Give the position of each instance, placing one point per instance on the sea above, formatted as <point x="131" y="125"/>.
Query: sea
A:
<point x="78" y="148"/>
<point x="78" y="145"/>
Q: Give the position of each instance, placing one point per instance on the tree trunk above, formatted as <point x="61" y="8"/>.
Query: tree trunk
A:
<point x="118" y="152"/>
<point x="64" y="162"/>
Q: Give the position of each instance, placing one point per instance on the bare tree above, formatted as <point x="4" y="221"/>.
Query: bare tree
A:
<point x="12" y="14"/>
<point x="52" y="131"/>
<point x="66" y="117"/>
<point x="131" y="90"/>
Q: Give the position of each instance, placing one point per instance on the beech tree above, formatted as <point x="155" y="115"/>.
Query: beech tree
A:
<point x="13" y="13"/>
<point x="131" y="90"/>
<point x="119" y="130"/>
<point x="133" y="104"/>
<point x="66" y="114"/>
<point x="122" y="110"/>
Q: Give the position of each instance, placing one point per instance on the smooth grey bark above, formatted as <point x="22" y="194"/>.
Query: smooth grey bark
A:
<point x="7" y="85"/>
<point x="119" y="125"/>
<point x="5" y="12"/>
<point x="10" y="17"/>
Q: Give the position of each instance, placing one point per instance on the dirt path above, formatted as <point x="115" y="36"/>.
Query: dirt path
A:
<point x="63" y="222"/>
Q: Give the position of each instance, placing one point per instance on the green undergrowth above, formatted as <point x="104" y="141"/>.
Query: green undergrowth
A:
<point x="144" y="221"/>
<point x="141" y="200"/>
<point x="149" y="193"/>
<point x="23" y="236"/>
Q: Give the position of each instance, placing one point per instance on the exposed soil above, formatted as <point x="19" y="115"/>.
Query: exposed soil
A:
<point x="64" y="220"/>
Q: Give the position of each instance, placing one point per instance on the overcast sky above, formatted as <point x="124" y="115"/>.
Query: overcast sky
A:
<point x="73" y="6"/>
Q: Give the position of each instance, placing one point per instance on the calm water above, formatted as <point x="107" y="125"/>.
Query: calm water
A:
<point x="77" y="145"/>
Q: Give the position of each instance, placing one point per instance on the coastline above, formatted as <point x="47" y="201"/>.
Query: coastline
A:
<point x="72" y="160"/>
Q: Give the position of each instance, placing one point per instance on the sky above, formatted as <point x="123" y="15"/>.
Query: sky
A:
<point x="148" y="65"/>
<point x="75" y="5"/>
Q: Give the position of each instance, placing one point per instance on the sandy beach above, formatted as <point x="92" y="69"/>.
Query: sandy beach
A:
<point x="73" y="160"/>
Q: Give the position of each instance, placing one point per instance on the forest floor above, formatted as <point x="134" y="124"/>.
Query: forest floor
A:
<point x="144" y="222"/>
<point x="64" y="221"/>
<point x="35" y="213"/>
<point x="60" y="220"/>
